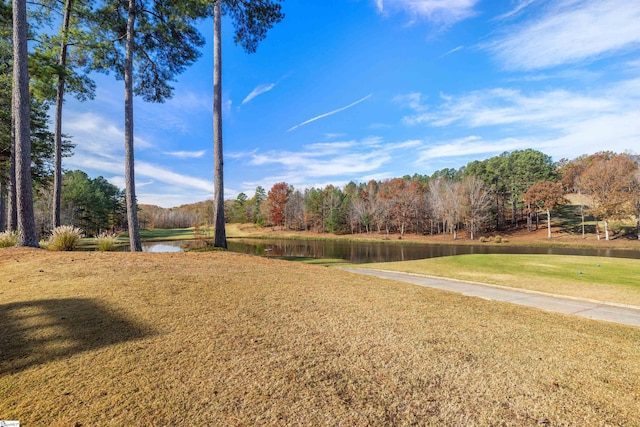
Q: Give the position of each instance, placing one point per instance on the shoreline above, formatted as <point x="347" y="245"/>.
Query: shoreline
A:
<point x="518" y="238"/>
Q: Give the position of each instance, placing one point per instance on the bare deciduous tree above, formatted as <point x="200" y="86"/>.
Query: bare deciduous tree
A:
<point x="476" y="202"/>
<point x="546" y="195"/>
<point x="609" y="181"/>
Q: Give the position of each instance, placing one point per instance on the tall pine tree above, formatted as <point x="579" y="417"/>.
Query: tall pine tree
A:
<point x="147" y="43"/>
<point x="251" y="19"/>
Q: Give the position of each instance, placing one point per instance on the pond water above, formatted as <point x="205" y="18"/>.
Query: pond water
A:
<point x="363" y="252"/>
<point x="173" y="246"/>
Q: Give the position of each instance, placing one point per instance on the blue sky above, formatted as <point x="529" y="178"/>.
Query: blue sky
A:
<point x="356" y="90"/>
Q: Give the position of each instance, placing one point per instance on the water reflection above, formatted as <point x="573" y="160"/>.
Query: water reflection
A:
<point x="175" y="246"/>
<point x="362" y="252"/>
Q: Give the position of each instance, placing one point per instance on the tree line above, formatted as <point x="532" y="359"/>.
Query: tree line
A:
<point x="496" y="194"/>
<point x="48" y="48"/>
<point x="501" y="192"/>
<point x="147" y="43"/>
<point x="92" y="205"/>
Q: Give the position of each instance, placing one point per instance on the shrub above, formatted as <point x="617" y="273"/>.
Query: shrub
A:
<point x="497" y="239"/>
<point x="8" y="239"/>
<point x="64" y="238"/>
<point x="107" y="241"/>
<point x="483" y="239"/>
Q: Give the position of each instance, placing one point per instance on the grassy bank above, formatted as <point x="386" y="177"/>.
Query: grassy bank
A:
<point x="225" y="339"/>
<point x="599" y="278"/>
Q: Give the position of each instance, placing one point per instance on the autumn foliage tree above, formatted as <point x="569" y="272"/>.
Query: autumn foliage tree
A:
<point x="546" y="195"/>
<point x="571" y="173"/>
<point x="278" y="197"/>
<point x="609" y="180"/>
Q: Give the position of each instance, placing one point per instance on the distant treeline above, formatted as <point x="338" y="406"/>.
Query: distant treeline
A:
<point x="93" y="205"/>
<point x="483" y="196"/>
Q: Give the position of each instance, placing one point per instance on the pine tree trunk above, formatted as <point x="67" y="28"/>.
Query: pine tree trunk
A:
<point x="220" y="237"/>
<point x="21" y="113"/>
<point x="12" y="210"/>
<point x="3" y="205"/>
<point x="57" y="163"/>
<point x="130" y="181"/>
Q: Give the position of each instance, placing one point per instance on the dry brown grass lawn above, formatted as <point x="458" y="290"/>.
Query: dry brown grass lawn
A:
<point x="225" y="339"/>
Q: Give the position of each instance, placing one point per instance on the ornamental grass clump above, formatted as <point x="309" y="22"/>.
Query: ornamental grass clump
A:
<point x="8" y="239"/>
<point x="107" y="241"/>
<point x="64" y="238"/>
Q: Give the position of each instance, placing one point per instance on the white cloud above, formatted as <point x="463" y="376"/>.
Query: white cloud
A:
<point x="258" y="90"/>
<point x="100" y="151"/>
<point x="330" y="147"/>
<point x="338" y="161"/>
<point x="330" y="135"/>
<point x="449" y="52"/>
<point x="443" y="12"/>
<point x="190" y="101"/>
<point x="186" y="154"/>
<point x="89" y="161"/>
<point x="118" y="181"/>
<point x="169" y="200"/>
<point x="158" y="173"/>
<point x="499" y="107"/>
<point x="469" y="146"/>
<point x="614" y="132"/>
<point x="568" y="32"/>
<point x="330" y="113"/>
<point x="634" y="65"/>
<point x="240" y="154"/>
<point x="411" y="100"/>
<point x="413" y="143"/>
<point x="522" y="4"/>
<point x="310" y="164"/>
<point x="97" y="133"/>
<point x="560" y="123"/>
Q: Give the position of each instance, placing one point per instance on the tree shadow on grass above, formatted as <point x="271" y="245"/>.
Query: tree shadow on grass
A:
<point x="37" y="332"/>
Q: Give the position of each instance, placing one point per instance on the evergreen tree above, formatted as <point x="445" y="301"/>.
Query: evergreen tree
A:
<point x="146" y="43"/>
<point x="21" y="127"/>
<point x="56" y="63"/>
<point x="252" y="19"/>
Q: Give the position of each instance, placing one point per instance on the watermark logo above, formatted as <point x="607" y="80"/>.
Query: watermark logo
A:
<point x="9" y="423"/>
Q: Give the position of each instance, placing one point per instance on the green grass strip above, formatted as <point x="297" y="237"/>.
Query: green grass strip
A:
<point x="606" y="279"/>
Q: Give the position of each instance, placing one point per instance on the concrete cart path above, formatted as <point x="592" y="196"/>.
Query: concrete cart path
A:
<point x="611" y="312"/>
